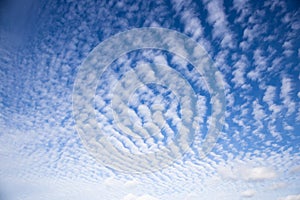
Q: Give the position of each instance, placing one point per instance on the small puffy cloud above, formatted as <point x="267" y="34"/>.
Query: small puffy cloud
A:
<point x="248" y="193"/>
<point x="131" y="184"/>
<point x="291" y="197"/>
<point x="258" y="173"/>
<point x="226" y="172"/>
<point x="247" y="173"/>
<point x="111" y="182"/>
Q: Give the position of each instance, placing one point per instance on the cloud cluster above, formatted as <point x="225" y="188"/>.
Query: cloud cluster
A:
<point x="254" y="46"/>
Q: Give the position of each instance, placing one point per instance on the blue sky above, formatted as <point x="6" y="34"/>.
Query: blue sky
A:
<point x="149" y="102"/>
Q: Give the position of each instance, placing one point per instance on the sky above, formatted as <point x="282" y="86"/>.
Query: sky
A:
<point x="149" y="100"/>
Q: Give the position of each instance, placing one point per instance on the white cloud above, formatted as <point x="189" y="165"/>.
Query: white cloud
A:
<point x="246" y="173"/>
<point x="290" y="197"/>
<point x="243" y="9"/>
<point x="258" y="173"/>
<point x="259" y="115"/>
<point x="248" y="193"/>
<point x="218" y="19"/>
<point x="239" y="72"/>
<point x="269" y="95"/>
<point x="285" y="95"/>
